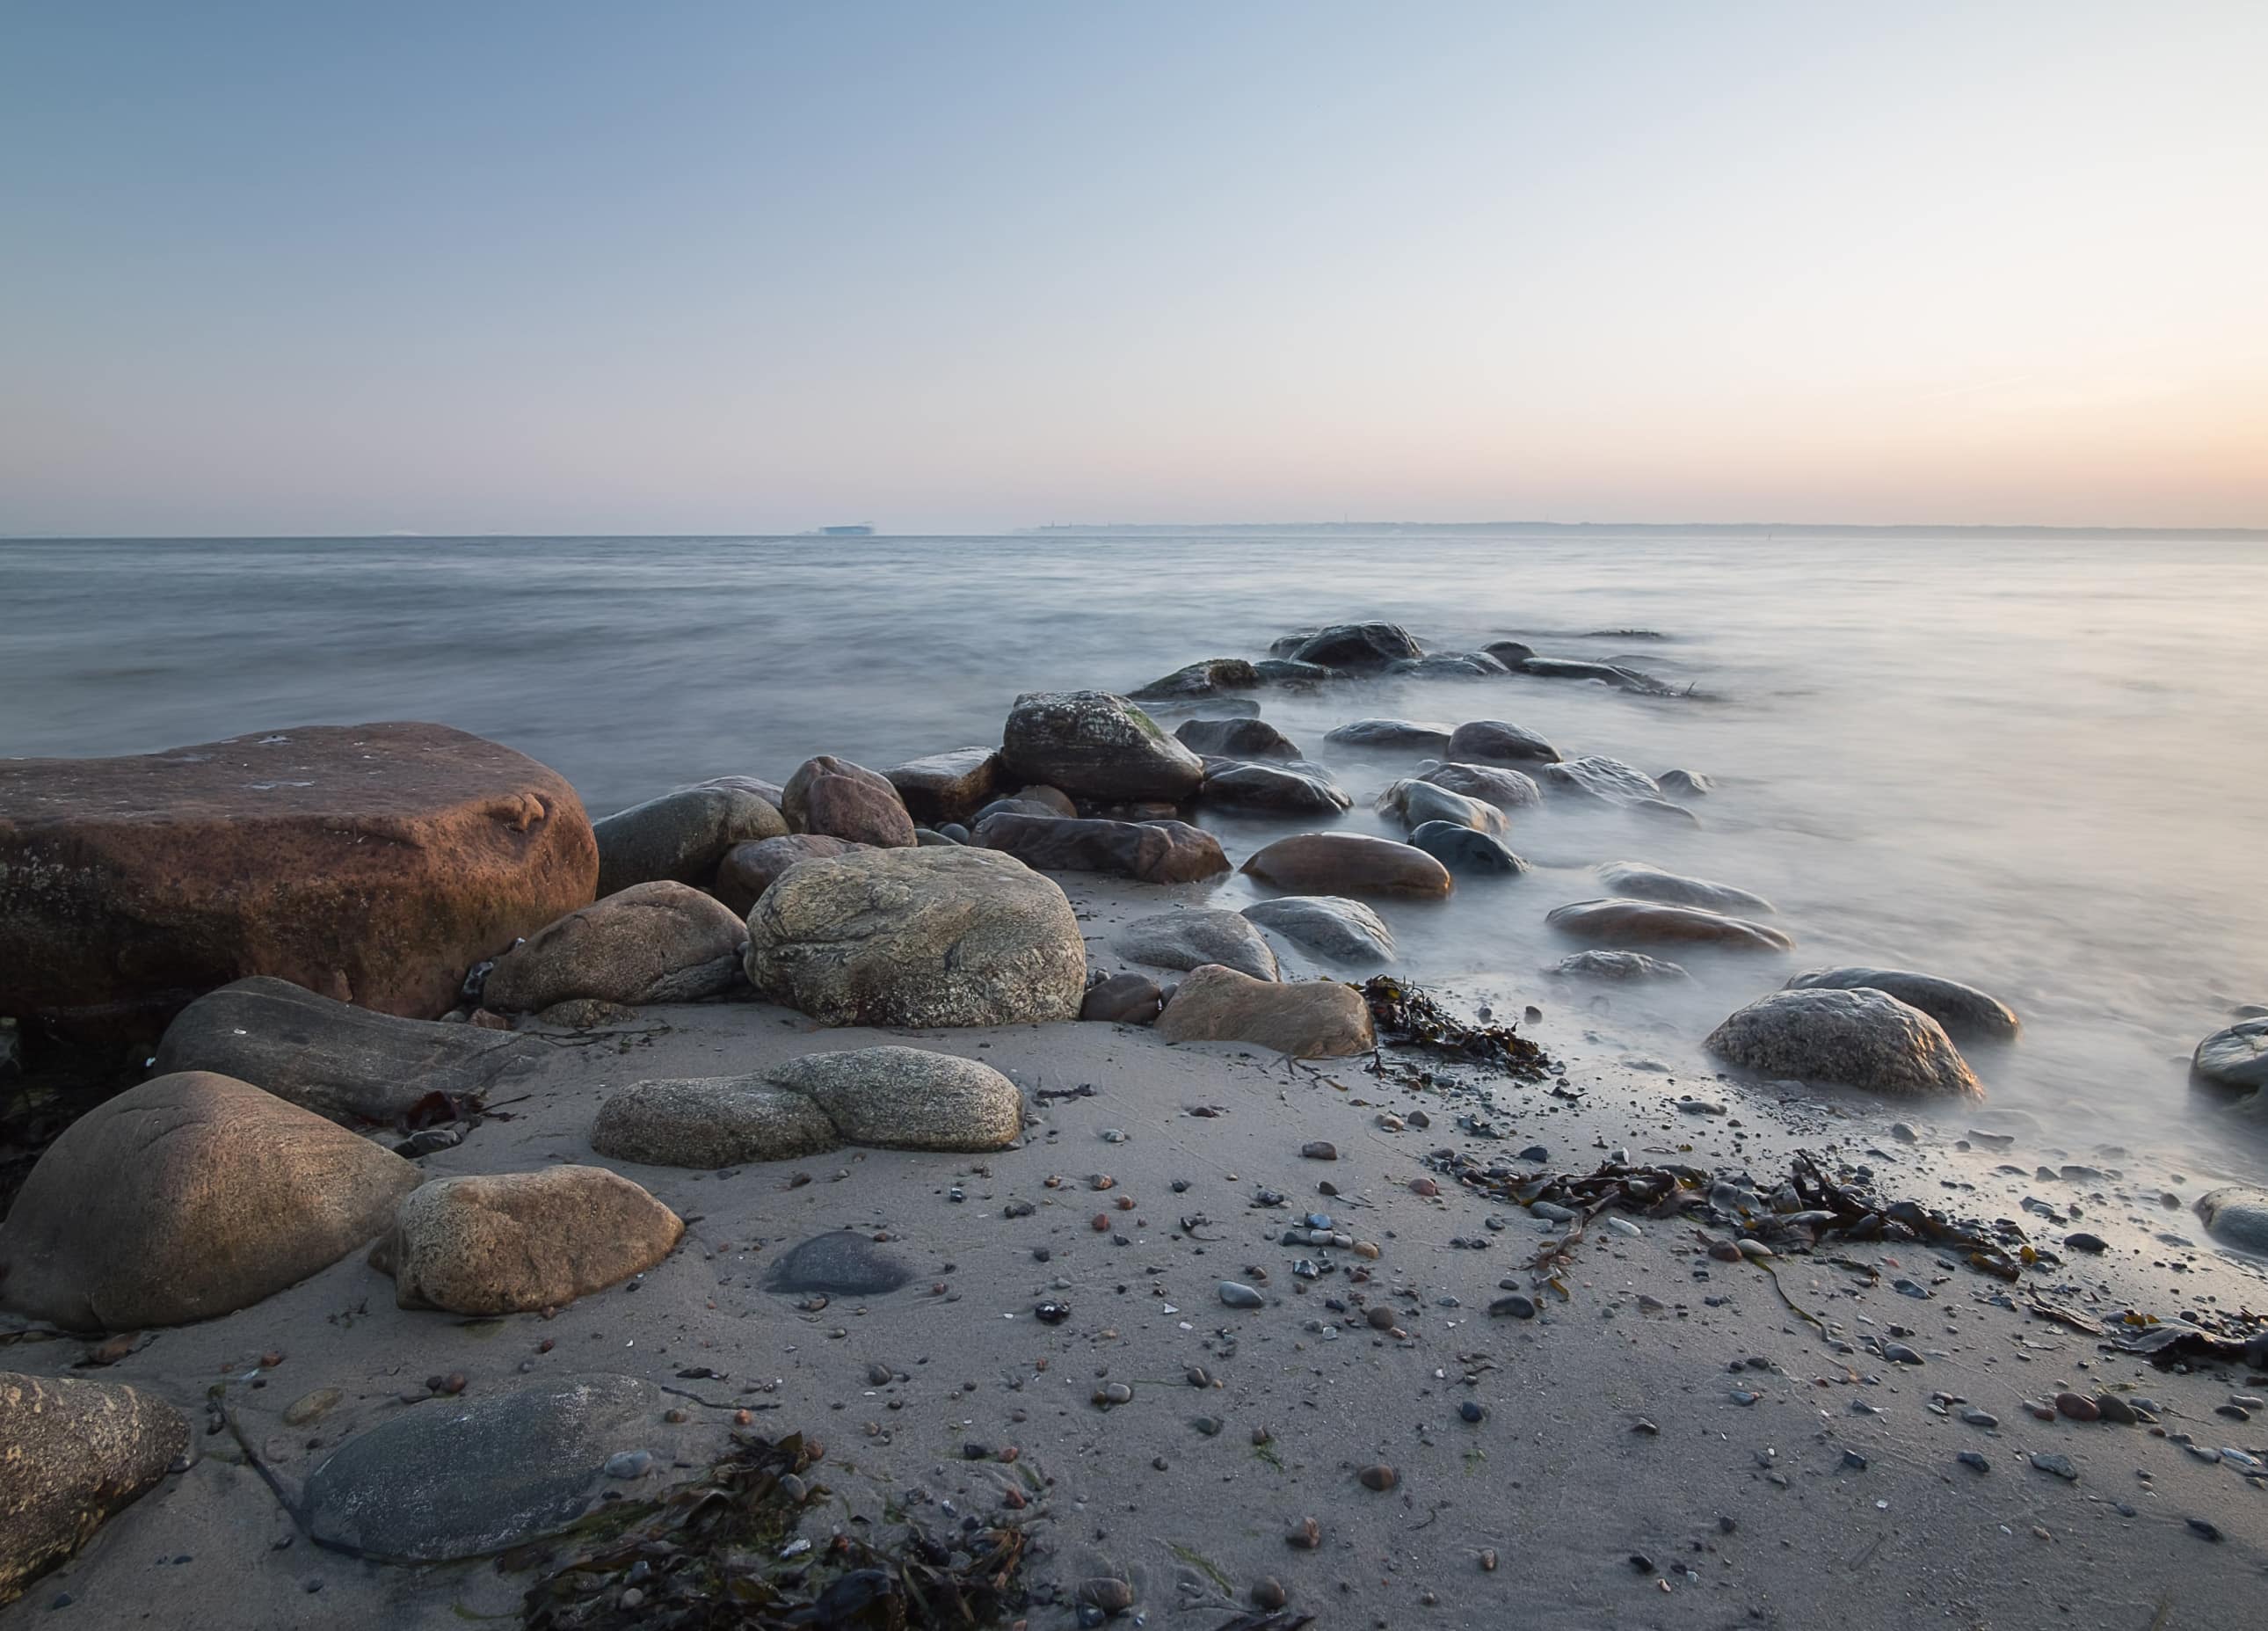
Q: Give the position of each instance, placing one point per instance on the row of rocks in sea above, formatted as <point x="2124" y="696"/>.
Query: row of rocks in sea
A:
<point x="1358" y="650"/>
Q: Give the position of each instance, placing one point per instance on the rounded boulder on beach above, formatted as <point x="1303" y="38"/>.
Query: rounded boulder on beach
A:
<point x="1306" y="1019"/>
<point x="1349" y="863"/>
<point x="1863" y="1038"/>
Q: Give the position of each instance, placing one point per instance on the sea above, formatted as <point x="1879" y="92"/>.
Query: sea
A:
<point x="2037" y="763"/>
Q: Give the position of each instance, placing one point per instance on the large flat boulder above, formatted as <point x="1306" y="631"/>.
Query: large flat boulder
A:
<point x="941" y="787"/>
<point x="1148" y="852"/>
<point x="1617" y="922"/>
<point x="916" y="938"/>
<point x="1306" y="1019"/>
<point x="1352" y="648"/>
<point x="1609" y="781"/>
<point x="1343" y="930"/>
<point x="338" y="1061"/>
<point x="839" y="800"/>
<point x="1295" y="788"/>
<point x="1098" y="748"/>
<point x="1864" y="1039"/>
<point x="1349" y="863"/>
<point x="187" y="1196"/>
<point x="1387" y="735"/>
<point x="373" y="863"/>
<point x="518" y="1241"/>
<point x="1192" y="938"/>
<point x="456" y="1477"/>
<point x="652" y="942"/>
<point x="909" y="1099"/>
<point x="681" y="835"/>
<point x="71" y="1454"/>
<point x="1197" y="681"/>
<point x="1635" y="880"/>
<point x="1965" y="1012"/>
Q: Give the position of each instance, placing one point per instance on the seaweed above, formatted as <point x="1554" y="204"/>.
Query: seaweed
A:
<point x="1407" y="1017"/>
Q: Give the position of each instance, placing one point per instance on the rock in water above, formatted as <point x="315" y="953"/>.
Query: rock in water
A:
<point x="187" y="1196"/>
<point x="1493" y="742"/>
<point x="463" y="1478"/>
<point x="1194" y="937"/>
<point x="1306" y="1019"/>
<point x="711" y="1122"/>
<point x="1236" y="739"/>
<point x="522" y="1241"/>
<point x="1492" y="783"/>
<point x="1197" y="680"/>
<point x="1607" y="780"/>
<point x="680" y="836"/>
<point x="839" y="800"/>
<point x="841" y="1263"/>
<point x="918" y="938"/>
<point x="653" y="942"/>
<point x="748" y="869"/>
<point x="1355" y="648"/>
<point x="1462" y="850"/>
<point x="1305" y="789"/>
<point x="1612" y="674"/>
<point x="1686" y="784"/>
<point x="1418" y="802"/>
<point x="373" y="863"/>
<point x="1096" y="747"/>
<point x="72" y="1453"/>
<point x="1349" y="863"/>
<point x="1344" y="930"/>
<point x="340" y="1061"/>
<point x="1619" y="965"/>
<point x="1643" y="922"/>
<point x="1965" y="1012"/>
<point x="945" y="787"/>
<point x="1634" y="880"/>
<point x="1387" y="735"/>
<point x="1124" y="1000"/>
<point x="2236" y="1057"/>
<point x="2236" y="1216"/>
<point x="1148" y="852"/>
<point x="1863" y="1038"/>
<point x="1449" y="666"/>
<point x="909" y="1099"/>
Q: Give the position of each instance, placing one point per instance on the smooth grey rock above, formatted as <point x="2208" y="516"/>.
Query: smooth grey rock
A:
<point x="652" y="942"/>
<point x="1607" y="780"/>
<point x="1494" y="741"/>
<point x="711" y="1122"/>
<point x="1617" y="922"/>
<point x="1096" y="747"/>
<point x="1284" y="671"/>
<point x="681" y="835"/>
<point x="1465" y="851"/>
<point x="1236" y="739"/>
<point x="1492" y="783"/>
<point x="2236" y="1215"/>
<point x="1418" y="802"/>
<point x="1197" y="680"/>
<point x="1191" y="938"/>
<point x="1864" y="1039"/>
<point x="1613" y="673"/>
<point x="1635" y="880"/>
<point x="1619" y="965"/>
<point x="341" y="1061"/>
<point x="1299" y="788"/>
<point x="1965" y="1012"/>
<point x="1686" y="784"/>
<point x="1355" y="647"/>
<point x="1343" y="930"/>
<point x="1448" y="665"/>
<point x="2236" y="1057"/>
<point x="1386" y="735"/>
<point x="897" y="1097"/>
<point x="841" y="1263"/>
<point x="1236" y="1294"/>
<point x="466" y="1477"/>
<point x="71" y="1454"/>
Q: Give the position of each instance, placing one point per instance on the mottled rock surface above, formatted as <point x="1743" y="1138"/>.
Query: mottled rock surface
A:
<point x="1096" y="747"/>
<point x="518" y="1241"/>
<point x="681" y="835"/>
<point x="1148" y="852"/>
<point x="944" y="787"/>
<point x="1343" y="930"/>
<point x="1646" y="922"/>
<point x="1306" y="1019"/>
<point x="1964" y="1011"/>
<point x="708" y="1121"/>
<point x="652" y="942"/>
<point x="748" y="869"/>
<point x="839" y="800"/>
<point x="1351" y="863"/>
<point x="1863" y="1038"/>
<point x="909" y="1099"/>
<point x="1192" y="938"/>
<point x="71" y="1454"/>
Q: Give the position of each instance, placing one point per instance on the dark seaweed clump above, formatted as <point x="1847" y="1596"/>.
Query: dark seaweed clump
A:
<point x="1407" y="1017"/>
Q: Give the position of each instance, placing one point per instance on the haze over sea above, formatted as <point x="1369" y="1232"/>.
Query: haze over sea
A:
<point x="2022" y="762"/>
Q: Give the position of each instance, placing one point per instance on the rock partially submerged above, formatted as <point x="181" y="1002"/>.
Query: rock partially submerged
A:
<point x="71" y="1454"/>
<point x="945" y="787"/>
<point x="371" y="863"/>
<point x="1351" y="863"/>
<point x="1148" y="852"/>
<point x="1507" y="789"/>
<point x="1307" y="1019"/>
<point x="1618" y="966"/>
<point x="520" y="1242"/>
<point x="1192" y="938"/>
<point x="1236" y="739"/>
<point x="1418" y="802"/>
<point x="652" y="942"/>
<point x="1386" y="736"/>
<point x="340" y="1061"/>
<point x="1612" y="674"/>
<point x="1617" y="922"/>
<point x="1343" y="930"/>
<point x="2236" y="1057"/>
<point x="1493" y="742"/>
<point x="1965" y="1012"/>
<point x="1864" y="1039"/>
<point x="918" y="938"/>
<point x="1298" y="788"/>
<point x="1096" y="747"/>
<point x="190" y="1196"/>
<point x="681" y="835"/>
<point x="1209" y="678"/>
<point x="1352" y="648"/>
<point x="1464" y="851"/>
<point x="1635" y="880"/>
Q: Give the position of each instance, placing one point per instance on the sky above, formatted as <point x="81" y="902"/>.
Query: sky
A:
<point x="675" y="267"/>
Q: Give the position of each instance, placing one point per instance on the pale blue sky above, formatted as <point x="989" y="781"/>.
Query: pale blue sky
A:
<point x="539" y="268"/>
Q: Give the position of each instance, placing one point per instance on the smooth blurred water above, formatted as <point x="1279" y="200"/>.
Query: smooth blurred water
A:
<point x="2037" y="766"/>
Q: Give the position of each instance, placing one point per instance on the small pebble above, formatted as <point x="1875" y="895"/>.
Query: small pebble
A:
<point x="1320" y="1149"/>
<point x="1473" y="1411"/>
<point x="628" y="1463"/>
<point x="1517" y="1306"/>
<point x="1235" y="1294"/>
<point x="1970" y="1458"/>
<point x="1269" y="1593"/>
<point x="2076" y="1406"/>
<point x="1381" y="1478"/>
<point x="1307" y="1536"/>
<point x="2060" y="1465"/>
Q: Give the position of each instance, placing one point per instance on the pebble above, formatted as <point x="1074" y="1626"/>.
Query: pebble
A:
<point x="1320" y="1149"/>
<point x="1052" y="1313"/>
<point x="1624" y="1226"/>
<point x="628" y="1463"/>
<point x="1899" y="1353"/>
<point x="1106" y="1592"/>
<point x="2060" y="1465"/>
<point x="1426" y="1187"/>
<point x="1269" y="1593"/>
<point x="2110" y="1407"/>
<point x="2078" y="1406"/>
<point x="1517" y="1306"/>
<point x="2199" y="1526"/>
<point x="1381" y="1478"/>
<point x="1113" y="1393"/>
<point x="1381" y="1319"/>
<point x="2236" y="1412"/>
<point x="1724" y="1252"/>
<point x="1473" y="1411"/>
<point x="1210" y="1426"/>
<point x="1307" y="1536"/>
<point x="1235" y="1294"/>
<point x="309" y="1407"/>
<point x="1853" y="1460"/>
<point x="1980" y="1418"/>
<point x="1488" y="1560"/>
<point x="879" y="1376"/>
<point x="2084" y="1242"/>
<point x="1903" y="1133"/>
<point x="1970" y="1458"/>
<point x="1742" y="1395"/>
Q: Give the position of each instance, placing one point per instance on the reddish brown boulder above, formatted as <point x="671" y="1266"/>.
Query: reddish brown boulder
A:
<point x="373" y="864"/>
<point x="1151" y="851"/>
<point x="1349" y="863"/>
<point x="948" y="787"/>
<point x="747" y="869"/>
<point x="839" y="800"/>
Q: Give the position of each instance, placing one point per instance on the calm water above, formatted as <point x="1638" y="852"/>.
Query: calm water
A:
<point x="2036" y="765"/>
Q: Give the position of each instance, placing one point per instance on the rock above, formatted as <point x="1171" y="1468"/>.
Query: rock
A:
<point x="1634" y="880"/>
<point x="1194" y="937"/>
<point x="1686" y="784"/>
<point x="681" y="836"/>
<point x="945" y="787"/>
<point x="1306" y="1019"/>
<point x="2236" y="1216"/>
<point x="2110" y="1407"/>
<point x="1209" y="678"/>
<point x="1861" y="1039"/>
<point x="464" y="1478"/>
<point x="748" y="869"/>
<point x="1284" y="671"/>
<point x="1098" y="746"/>
<point x="1511" y="653"/>
<point x="1619" y="965"/>
<point x="1507" y="789"/>
<point x="1418" y="803"/>
<point x="1301" y="789"/>
<point x="1236" y="739"/>
<point x="909" y="1099"/>
<point x="2060" y="1465"/>
<point x="1349" y="863"/>
<point x="1390" y="735"/>
<point x="711" y="1122"/>
<point x="918" y="938"/>
<point x="1641" y="922"/>
<point x="2236" y="1057"/>
<point x="2077" y="1407"/>
<point x="1601" y="673"/>
<point x="1345" y="931"/>
<point x="1607" y="780"/>
<point x="652" y="942"/>
<point x="1159" y="852"/>
<point x="1463" y="850"/>
<point x="71" y="1454"/>
<point x="518" y="1241"/>
<point x="1106" y="1594"/>
<point x="187" y="1196"/>
<point x="1448" y="665"/>
<point x="841" y="1263"/>
<point x="1122" y="999"/>
<point x="1355" y="648"/>
<point x="309" y="1408"/>
<point x="371" y="863"/>
<point x="340" y="1061"/>
<point x="1964" y="1011"/>
<point x="929" y="839"/>
<point x="1234" y="1294"/>
<point x="837" y="798"/>
<point x="1493" y="742"/>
